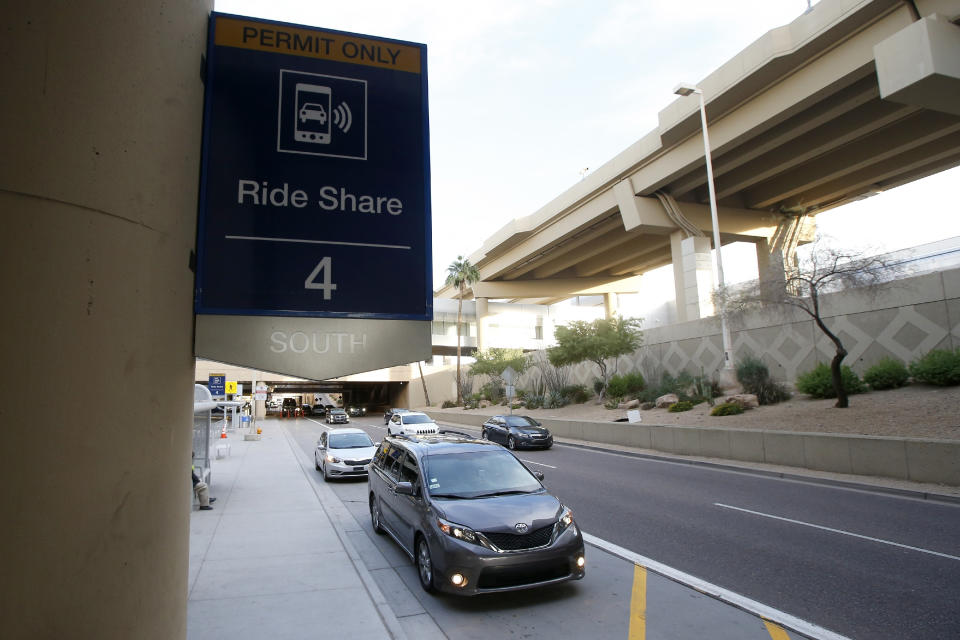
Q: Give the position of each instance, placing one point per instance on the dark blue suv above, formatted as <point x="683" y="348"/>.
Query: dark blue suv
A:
<point x="472" y="517"/>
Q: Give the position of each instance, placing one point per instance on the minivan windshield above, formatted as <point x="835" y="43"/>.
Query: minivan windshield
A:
<point x="478" y="474"/>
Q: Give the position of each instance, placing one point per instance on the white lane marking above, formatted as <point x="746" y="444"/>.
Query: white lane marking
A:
<point x="549" y="466"/>
<point x="832" y="530"/>
<point x="751" y="606"/>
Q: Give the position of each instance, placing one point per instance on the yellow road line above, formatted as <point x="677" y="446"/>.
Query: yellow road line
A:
<point x="638" y="605"/>
<point x="776" y="633"/>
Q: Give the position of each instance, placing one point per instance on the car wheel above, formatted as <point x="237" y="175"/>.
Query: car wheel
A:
<point x="375" y="516"/>
<point x="512" y="443"/>
<point x="483" y="435"/>
<point x="424" y="565"/>
<point x="316" y="462"/>
<point x="326" y="478"/>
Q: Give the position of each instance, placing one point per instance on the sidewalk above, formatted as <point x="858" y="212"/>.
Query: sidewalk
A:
<point x="271" y="559"/>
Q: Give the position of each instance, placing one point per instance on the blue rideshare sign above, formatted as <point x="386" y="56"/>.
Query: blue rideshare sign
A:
<point x="315" y="189"/>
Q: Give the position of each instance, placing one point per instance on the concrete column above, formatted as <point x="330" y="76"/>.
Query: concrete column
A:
<point x="481" y="311"/>
<point x="769" y="265"/>
<point x="609" y="305"/>
<point x="698" y="277"/>
<point x="102" y="113"/>
<point x="679" y="278"/>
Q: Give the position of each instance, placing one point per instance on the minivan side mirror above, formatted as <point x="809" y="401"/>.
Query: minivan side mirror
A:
<point x="404" y="488"/>
<point x="320" y="444"/>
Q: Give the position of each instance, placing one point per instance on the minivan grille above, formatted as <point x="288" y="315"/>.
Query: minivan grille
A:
<point x="514" y="542"/>
<point x="506" y="577"/>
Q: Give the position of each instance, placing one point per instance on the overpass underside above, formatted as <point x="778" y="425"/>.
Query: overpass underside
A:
<point x="850" y="99"/>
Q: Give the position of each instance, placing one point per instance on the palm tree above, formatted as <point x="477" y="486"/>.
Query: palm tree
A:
<point x="461" y="274"/>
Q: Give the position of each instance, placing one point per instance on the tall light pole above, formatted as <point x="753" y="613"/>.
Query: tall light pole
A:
<point x="685" y="89"/>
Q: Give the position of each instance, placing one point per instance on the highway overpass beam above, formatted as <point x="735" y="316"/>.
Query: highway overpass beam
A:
<point x="920" y="65"/>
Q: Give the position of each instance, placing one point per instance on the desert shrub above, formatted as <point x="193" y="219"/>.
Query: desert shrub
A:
<point x="447" y="404"/>
<point x="683" y="405"/>
<point x="818" y="382"/>
<point x="493" y="391"/>
<point x="597" y="386"/>
<point x="755" y="378"/>
<point x="534" y="402"/>
<point x="554" y="400"/>
<point x="625" y="385"/>
<point x="940" y="367"/>
<point x="705" y="387"/>
<point x="667" y="384"/>
<point x="726" y="409"/>
<point x="888" y="373"/>
<point x="576" y="393"/>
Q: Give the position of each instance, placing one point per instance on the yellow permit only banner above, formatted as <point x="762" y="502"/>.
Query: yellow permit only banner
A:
<point x="313" y="43"/>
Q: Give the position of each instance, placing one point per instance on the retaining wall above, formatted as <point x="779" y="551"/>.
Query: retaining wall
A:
<point x="916" y="459"/>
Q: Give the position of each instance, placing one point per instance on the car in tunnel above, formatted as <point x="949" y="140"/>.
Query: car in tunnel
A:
<point x="337" y="416"/>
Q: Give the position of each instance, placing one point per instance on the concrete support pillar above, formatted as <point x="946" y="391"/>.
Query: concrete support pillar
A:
<point x="679" y="278"/>
<point x="481" y="311"/>
<point x="698" y="277"/>
<point x="101" y="140"/>
<point x="609" y="305"/>
<point x="780" y="252"/>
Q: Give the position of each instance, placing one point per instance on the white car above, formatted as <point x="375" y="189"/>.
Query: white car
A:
<point x="412" y="423"/>
<point x="343" y="453"/>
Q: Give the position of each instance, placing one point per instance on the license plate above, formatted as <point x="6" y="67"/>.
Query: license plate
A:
<point x="358" y="468"/>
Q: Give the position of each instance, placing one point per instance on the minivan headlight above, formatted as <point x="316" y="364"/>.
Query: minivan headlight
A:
<point x="458" y="531"/>
<point x="566" y="519"/>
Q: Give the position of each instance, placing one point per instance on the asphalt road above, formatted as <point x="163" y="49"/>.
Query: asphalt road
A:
<point x="860" y="563"/>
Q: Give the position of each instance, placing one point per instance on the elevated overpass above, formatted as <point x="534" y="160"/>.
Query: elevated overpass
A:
<point x="851" y="98"/>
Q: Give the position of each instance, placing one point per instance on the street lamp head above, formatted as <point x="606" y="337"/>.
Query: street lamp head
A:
<point x="685" y="89"/>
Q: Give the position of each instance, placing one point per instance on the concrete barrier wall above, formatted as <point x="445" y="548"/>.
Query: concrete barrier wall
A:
<point x="916" y="459"/>
<point x="903" y="319"/>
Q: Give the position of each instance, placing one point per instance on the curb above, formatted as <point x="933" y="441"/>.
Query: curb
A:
<point x="387" y="615"/>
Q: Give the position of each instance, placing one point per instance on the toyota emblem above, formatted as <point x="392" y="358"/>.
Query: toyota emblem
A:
<point x="521" y="527"/>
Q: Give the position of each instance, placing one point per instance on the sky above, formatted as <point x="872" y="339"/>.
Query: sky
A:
<point x="524" y="95"/>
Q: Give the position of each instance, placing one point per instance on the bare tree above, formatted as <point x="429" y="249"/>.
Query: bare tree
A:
<point x="827" y="269"/>
<point x="554" y="378"/>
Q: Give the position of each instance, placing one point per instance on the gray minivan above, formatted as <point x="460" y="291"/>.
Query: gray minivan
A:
<point x="472" y="517"/>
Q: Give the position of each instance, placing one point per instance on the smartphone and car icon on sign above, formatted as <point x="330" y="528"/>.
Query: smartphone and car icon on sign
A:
<point x="314" y="117"/>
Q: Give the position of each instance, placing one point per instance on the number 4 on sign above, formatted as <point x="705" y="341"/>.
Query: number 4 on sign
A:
<point x="324" y="267"/>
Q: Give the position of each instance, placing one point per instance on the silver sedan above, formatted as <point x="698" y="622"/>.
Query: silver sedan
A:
<point x="343" y="453"/>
